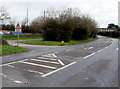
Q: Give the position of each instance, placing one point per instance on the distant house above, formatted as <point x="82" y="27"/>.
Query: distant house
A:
<point x="4" y="32"/>
<point x="106" y="29"/>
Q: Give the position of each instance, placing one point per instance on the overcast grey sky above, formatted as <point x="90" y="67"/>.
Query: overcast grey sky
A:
<point x="104" y="12"/>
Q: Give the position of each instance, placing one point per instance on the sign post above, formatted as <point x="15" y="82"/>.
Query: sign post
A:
<point x="18" y="30"/>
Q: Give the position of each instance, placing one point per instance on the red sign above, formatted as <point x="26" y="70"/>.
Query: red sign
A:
<point x="18" y="27"/>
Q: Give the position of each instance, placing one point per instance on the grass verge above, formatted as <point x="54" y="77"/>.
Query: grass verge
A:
<point x="41" y="42"/>
<point x="14" y="37"/>
<point x="7" y="49"/>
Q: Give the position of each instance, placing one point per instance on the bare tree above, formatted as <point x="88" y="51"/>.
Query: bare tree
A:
<point x="24" y="22"/>
<point x="4" y="16"/>
<point x="36" y="24"/>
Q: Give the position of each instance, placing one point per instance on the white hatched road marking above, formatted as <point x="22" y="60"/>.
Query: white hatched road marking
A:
<point x="47" y="58"/>
<point x="44" y="61"/>
<point x="45" y="75"/>
<point x="48" y="55"/>
<point x="10" y="66"/>
<point x="61" y="62"/>
<point x="54" y="55"/>
<point x="117" y="49"/>
<point x="37" y="72"/>
<point x="89" y="55"/>
<point x="39" y="65"/>
<point x="33" y="71"/>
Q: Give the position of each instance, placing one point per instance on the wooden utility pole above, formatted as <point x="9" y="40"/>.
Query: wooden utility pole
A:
<point x="27" y="16"/>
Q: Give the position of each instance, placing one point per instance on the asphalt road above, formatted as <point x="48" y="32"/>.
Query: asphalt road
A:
<point x="92" y="64"/>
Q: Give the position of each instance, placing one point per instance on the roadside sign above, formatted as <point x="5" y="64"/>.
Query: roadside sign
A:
<point x="18" y="28"/>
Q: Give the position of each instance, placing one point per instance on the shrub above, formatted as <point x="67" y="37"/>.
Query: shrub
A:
<point x="50" y="28"/>
<point x="66" y="25"/>
<point x="3" y="42"/>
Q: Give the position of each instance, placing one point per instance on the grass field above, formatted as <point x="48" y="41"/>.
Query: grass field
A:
<point x="14" y="37"/>
<point x="7" y="49"/>
<point x="72" y="42"/>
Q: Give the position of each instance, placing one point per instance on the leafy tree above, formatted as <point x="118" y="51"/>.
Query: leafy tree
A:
<point x="50" y="30"/>
<point x="65" y="25"/>
<point x="111" y="25"/>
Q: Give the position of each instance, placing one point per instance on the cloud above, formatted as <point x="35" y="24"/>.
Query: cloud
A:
<point x="104" y="12"/>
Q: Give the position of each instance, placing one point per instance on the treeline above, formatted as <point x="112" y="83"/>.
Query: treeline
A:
<point x="61" y="25"/>
<point x="114" y="34"/>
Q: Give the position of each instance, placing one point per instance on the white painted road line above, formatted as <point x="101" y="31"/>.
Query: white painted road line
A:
<point x="44" y="61"/>
<point x="89" y="55"/>
<point x="13" y="62"/>
<point x="50" y="67"/>
<point x="18" y="82"/>
<point x="45" y="75"/>
<point x="117" y="49"/>
<point x="10" y="66"/>
<point x="106" y="47"/>
<point x="37" y="72"/>
<point x="5" y="76"/>
<point x="55" y="52"/>
<point x="48" y="55"/>
<point x="90" y="47"/>
<point x="68" y="49"/>
<point x="100" y="50"/>
<point x="54" y="55"/>
<point x="61" y="62"/>
<point x="47" y="58"/>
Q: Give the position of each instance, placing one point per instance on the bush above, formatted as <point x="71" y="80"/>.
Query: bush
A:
<point x="3" y="42"/>
<point x="80" y="34"/>
<point x="66" y="25"/>
<point x="50" y="28"/>
<point x="66" y="29"/>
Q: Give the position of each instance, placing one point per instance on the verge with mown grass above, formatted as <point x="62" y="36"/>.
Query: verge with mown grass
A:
<point x="14" y="37"/>
<point x="57" y="43"/>
<point x="8" y="49"/>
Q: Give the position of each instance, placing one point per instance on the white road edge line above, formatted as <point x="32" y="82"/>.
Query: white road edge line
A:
<point x="89" y="55"/>
<point x="50" y="67"/>
<point x="61" y="62"/>
<point x="13" y="62"/>
<point x="45" y="75"/>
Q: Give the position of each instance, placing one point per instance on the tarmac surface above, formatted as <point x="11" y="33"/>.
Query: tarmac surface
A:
<point x="92" y="64"/>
